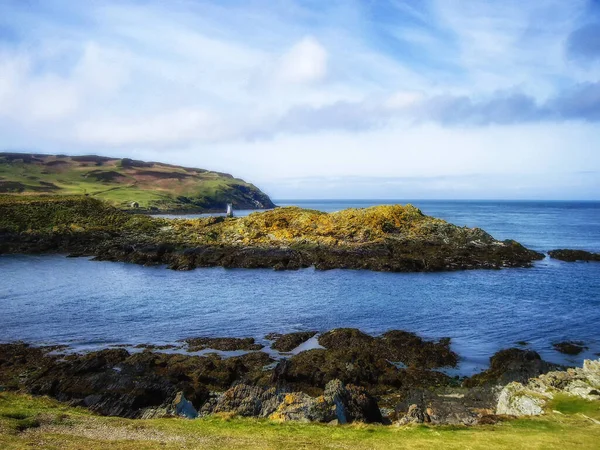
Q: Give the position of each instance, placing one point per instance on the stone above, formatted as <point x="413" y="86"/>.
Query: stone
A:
<point x="569" y="347"/>
<point x="288" y="342"/>
<point x="573" y="255"/>
<point x="183" y="407"/>
<point x="414" y="415"/>
<point x="515" y="399"/>
<point x="513" y="364"/>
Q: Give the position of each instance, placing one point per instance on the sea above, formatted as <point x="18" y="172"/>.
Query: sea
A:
<point x="52" y="299"/>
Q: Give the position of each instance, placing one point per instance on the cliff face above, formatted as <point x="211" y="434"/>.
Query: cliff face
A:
<point x="126" y="183"/>
<point x="384" y="238"/>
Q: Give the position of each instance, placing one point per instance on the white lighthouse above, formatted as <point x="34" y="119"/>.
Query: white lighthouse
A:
<point x="229" y="210"/>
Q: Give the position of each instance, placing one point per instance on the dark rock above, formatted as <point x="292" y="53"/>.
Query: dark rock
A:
<point x="446" y="406"/>
<point x="352" y="403"/>
<point x="414" y="415"/>
<point x="573" y="255"/>
<point x="509" y="365"/>
<point x="222" y="344"/>
<point x="245" y="400"/>
<point x="569" y="347"/>
<point x="356" y="358"/>
<point x="288" y="342"/>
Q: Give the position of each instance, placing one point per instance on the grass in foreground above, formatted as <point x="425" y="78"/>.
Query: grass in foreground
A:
<point x="27" y="422"/>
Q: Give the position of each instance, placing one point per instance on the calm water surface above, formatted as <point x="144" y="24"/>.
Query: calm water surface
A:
<point x="53" y="299"/>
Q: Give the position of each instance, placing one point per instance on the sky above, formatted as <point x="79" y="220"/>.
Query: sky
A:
<point x="388" y="99"/>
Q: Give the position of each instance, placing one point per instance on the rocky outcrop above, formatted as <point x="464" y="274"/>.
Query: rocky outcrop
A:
<point x="338" y="402"/>
<point x="513" y="364"/>
<point x="446" y="406"/>
<point x="573" y="255"/>
<point x="288" y="342"/>
<point x="529" y="399"/>
<point x="222" y="344"/>
<point x="516" y="400"/>
<point x="570" y="347"/>
<point x="395" y="360"/>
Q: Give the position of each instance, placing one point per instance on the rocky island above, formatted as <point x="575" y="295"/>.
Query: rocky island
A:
<point x="392" y="238"/>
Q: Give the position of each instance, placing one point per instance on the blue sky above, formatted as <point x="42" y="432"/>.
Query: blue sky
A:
<point x="314" y="99"/>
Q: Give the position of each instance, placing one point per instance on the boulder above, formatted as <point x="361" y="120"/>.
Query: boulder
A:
<point x="245" y="400"/>
<point x="516" y="400"/>
<point x="414" y="415"/>
<point x="222" y="344"/>
<point x="288" y="342"/>
<point x="519" y="400"/>
<point x="338" y="402"/>
<point x="448" y="406"/>
<point x="513" y="364"/>
<point x="573" y="255"/>
<point x="569" y="347"/>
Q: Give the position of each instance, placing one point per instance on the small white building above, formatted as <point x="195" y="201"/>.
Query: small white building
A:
<point x="229" y="210"/>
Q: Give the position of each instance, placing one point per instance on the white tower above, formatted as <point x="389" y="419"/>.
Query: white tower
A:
<point x="229" y="210"/>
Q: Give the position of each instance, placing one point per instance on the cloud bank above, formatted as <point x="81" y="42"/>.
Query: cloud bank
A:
<point x="392" y="88"/>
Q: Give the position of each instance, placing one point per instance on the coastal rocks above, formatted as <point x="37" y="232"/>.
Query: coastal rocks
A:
<point x="573" y="255"/>
<point x="245" y="400"/>
<point x="516" y="400"/>
<point x="179" y="407"/>
<point x="338" y="402"/>
<point x="446" y="406"/>
<point x="222" y="344"/>
<point x="529" y="399"/>
<point x="395" y="345"/>
<point x="569" y="347"/>
<point x="114" y="382"/>
<point x="379" y="363"/>
<point x="288" y="342"/>
<point x="414" y="415"/>
<point x="509" y="365"/>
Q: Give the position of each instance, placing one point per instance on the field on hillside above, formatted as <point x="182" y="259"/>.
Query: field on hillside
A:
<point x="127" y="183"/>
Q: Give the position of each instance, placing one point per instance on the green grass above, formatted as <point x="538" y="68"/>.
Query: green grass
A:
<point x="575" y="405"/>
<point x="27" y="422"/>
<point x="160" y="186"/>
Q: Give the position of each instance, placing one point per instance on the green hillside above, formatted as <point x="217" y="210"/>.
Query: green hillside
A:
<point x="127" y="183"/>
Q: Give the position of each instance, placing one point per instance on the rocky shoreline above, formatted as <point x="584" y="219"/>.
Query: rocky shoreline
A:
<point x="385" y="238"/>
<point x="348" y="376"/>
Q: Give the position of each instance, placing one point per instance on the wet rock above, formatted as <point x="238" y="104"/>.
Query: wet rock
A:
<point x="222" y="344"/>
<point x="357" y="358"/>
<point x="569" y="347"/>
<point x="413" y="350"/>
<point x="573" y="255"/>
<point x="512" y="364"/>
<point x="288" y="342"/>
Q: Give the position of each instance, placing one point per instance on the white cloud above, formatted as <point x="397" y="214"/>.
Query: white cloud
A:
<point x="263" y="90"/>
<point x="305" y="62"/>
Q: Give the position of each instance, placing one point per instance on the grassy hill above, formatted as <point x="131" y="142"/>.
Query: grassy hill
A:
<point x="125" y="183"/>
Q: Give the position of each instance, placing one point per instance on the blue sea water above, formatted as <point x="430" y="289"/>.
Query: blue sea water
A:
<point x="87" y="304"/>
